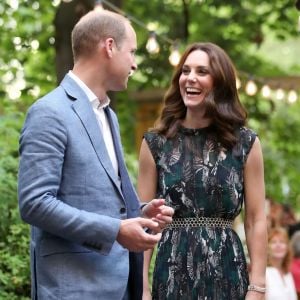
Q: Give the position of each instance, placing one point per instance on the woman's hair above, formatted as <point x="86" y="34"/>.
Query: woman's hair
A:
<point x="223" y="106"/>
<point x="94" y="27"/>
<point x="295" y="243"/>
<point x="280" y="231"/>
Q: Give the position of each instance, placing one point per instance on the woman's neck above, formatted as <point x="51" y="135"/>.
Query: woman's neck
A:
<point x="193" y="120"/>
<point x="277" y="263"/>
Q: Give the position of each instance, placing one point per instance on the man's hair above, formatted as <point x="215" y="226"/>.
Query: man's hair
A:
<point x="94" y="27"/>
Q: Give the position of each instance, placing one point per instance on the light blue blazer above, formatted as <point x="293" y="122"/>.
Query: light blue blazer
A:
<point x="69" y="193"/>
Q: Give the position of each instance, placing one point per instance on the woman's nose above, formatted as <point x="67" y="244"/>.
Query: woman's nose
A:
<point x="191" y="77"/>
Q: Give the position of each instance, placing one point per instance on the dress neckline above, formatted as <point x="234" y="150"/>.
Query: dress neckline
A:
<point x="193" y="131"/>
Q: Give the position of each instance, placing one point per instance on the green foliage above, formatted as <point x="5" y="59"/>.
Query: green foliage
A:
<point x="281" y="153"/>
<point x="25" y="53"/>
<point x="27" y="57"/>
<point x="14" y="235"/>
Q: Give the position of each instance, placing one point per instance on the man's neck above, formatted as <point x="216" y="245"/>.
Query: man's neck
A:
<point x="92" y="81"/>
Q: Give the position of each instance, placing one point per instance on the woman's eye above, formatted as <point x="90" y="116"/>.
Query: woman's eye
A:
<point x="202" y="72"/>
<point x="185" y="71"/>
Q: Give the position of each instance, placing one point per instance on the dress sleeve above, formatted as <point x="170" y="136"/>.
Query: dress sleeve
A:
<point x="247" y="138"/>
<point x="155" y="144"/>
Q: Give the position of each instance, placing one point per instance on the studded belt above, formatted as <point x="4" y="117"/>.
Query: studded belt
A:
<point x="201" y="221"/>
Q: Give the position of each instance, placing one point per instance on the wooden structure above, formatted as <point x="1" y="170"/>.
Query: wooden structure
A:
<point x="149" y="103"/>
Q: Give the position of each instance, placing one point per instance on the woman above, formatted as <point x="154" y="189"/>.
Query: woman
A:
<point x="295" y="264"/>
<point x="205" y="163"/>
<point x="279" y="280"/>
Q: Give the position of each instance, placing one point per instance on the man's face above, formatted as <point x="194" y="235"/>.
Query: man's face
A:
<point x="123" y="63"/>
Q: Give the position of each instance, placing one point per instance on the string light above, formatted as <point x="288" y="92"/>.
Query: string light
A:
<point x="152" y="45"/>
<point x="279" y="95"/>
<point x="174" y="57"/>
<point x="251" y="88"/>
<point x="266" y="91"/>
<point x="98" y="5"/>
<point x="238" y="83"/>
<point x="292" y="96"/>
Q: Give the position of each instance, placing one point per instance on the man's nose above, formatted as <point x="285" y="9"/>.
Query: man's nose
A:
<point x="134" y="66"/>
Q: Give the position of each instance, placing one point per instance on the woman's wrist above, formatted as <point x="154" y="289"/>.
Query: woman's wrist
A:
<point x="257" y="288"/>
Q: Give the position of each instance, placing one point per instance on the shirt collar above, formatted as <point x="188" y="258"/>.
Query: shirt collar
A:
<point x="89" y="93"/>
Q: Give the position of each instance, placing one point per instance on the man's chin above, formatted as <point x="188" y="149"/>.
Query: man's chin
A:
<point x="120" y="87"/>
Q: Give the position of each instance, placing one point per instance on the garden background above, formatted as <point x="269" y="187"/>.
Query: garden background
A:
<point x="261" y="37"/>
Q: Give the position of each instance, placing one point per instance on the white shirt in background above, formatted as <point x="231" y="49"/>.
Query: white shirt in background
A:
<point x="279" y="287"/>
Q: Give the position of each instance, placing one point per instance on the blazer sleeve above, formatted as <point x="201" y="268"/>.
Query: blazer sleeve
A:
<point x="43" y="143"/>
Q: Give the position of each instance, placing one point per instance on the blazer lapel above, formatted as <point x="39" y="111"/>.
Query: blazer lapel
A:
<point x="84" y="111"/>
<point x="135" y="281"/>
<point x="127" y="188"/>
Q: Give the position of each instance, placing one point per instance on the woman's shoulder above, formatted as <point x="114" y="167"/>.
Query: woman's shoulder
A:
<point x="246" y="137"/>
<point x="245" y="140"/>
<point x="154" y="140"/>
<point x="151" y="136"/>
<point x="246" y="132"/>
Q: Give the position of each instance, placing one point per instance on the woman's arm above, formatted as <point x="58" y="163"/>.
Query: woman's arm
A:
<point x="255" y="218"/>
<point x="146" y="188"/>
<point x="147" y="176"/>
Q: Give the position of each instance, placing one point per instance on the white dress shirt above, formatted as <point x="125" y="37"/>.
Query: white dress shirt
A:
<point x="101" y="118"/>
<point x="279" y="287"/>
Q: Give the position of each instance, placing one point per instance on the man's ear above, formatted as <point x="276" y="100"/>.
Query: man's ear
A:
<point x="109" y="46"/>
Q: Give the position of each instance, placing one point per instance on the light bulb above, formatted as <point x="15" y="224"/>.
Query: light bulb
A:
<point x="152" y="46"/>
<point x="251" y="88"/>
<point x="279" y="94"/>
<point x="292" y="96"/>
<point x="266" y="91"/>
<point x="98" y="5"/>
<point x="174" y="57"/>
<point x="238" y="83"/>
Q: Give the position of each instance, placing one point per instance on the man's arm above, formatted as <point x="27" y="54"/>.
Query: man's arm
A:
<point x="43" y="144"/>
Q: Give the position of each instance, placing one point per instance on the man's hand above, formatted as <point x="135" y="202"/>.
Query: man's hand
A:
<point x="133" y="236"/>
<point x="159" y="212"/>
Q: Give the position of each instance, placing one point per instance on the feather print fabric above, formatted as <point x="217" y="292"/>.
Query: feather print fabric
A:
<point x="199" y="178"/>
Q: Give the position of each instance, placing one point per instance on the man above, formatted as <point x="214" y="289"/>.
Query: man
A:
<point x="74" y="188"/>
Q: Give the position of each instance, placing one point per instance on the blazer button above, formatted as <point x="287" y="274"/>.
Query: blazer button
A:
<point x="122" y="210"/>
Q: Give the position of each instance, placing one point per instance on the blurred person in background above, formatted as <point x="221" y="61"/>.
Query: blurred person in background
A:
<point x="295" y="266"/>
<point x="289" y="220"/>
<point x="274" y="213"/>
<point x="279" y="280"/>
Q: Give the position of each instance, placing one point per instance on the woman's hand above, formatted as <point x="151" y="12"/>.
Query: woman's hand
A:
<point x="159" y="212"/>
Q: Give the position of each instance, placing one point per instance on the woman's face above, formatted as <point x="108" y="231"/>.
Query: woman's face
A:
<point x="195" y="81"/>
<point x="278" y="247"/>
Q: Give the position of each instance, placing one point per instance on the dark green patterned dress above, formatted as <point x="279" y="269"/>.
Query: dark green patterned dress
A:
<point x="198" y="178"/>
